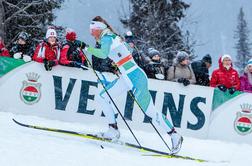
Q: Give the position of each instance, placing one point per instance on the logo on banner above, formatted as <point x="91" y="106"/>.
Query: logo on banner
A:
<point x="243" y="121"/>
<point x="30" y="92"/>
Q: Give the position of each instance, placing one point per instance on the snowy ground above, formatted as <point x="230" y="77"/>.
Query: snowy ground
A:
<point x="29" y="147"/>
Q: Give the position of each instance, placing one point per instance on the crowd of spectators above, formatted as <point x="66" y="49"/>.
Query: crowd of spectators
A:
<point x="52" y="52"/>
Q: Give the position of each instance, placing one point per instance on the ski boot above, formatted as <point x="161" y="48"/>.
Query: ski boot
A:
<point x="176" y="140"/>
<point x="112" y="133"/>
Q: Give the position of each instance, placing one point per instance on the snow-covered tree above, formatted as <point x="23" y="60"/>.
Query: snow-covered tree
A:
<point x="32" y="16"/>
<point x="242" y="46"/>
<point x="155" y="24"/>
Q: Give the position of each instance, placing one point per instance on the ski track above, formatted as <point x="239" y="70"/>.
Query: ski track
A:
<point x="28" y="147"/>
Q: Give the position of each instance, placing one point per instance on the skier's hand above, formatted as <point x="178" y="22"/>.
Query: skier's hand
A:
<point x="223" y="88"/>
<point x="232" y="90"/>
<point x="186" y="82"/>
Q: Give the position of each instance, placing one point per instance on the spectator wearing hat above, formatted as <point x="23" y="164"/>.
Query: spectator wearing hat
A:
<point x="201" y="70"/>
<point x="181" y="71"/>
<point x="155" y="65"/>
<point x="137" y="55"/>
<point x="71" y="52"/>
<point x="3" y="50"/>
<point x="23" y="48"/>
<point x="246" y="78"/>
<point x="48" y="51"/>
<point x="225" y="77"/>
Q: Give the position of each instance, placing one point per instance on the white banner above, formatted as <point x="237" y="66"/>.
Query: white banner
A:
<point x="69" y="94"/>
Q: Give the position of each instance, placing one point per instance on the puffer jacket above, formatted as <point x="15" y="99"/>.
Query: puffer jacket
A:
<point x="222" y="76"/>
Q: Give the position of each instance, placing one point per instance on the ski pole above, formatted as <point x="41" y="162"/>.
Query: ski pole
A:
<point x="89" y="63"/>
<point x="133" y="97"/>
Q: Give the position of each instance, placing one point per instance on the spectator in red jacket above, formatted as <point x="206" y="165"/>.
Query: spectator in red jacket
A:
<point x="48" y="51"/>
<point x="3" y="50"/>
<point x="71" y="53"/>
<point x="226" y="77"/>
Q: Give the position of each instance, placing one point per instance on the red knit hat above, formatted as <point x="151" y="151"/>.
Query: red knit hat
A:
<point x="70" y="35"/>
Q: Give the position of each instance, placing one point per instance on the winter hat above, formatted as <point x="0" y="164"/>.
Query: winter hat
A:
<point x="181" y="56"/>
<point x="225" y="56"/>
<point x="97" y="25"/>
<point x="249" y="62"/>
<point x="70" y="34"/>
<point x="152" y="52"/>
<point x="129" y="38"/>
<point x="207" y="58"/>
<point x="51" y="33"/>
<point x="23" y="35"/>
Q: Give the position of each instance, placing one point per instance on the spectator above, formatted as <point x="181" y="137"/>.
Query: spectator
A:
<point x="246" y="79"/>
<point x="3" y="51"/>
<point x="23" y="48"/>
<point x="130" y="39"/>
<point x="71" y="53"/>
<point x="201" y="70"/>
<point x="225" y="78"/>
<point x="181" y="71"/>
<point x="48" y="51"/>
<point x="155" y="65"/>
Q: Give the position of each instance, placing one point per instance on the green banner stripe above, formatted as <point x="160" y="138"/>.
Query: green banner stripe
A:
<point x="220" y="97"/>
<point x="7" y="64"/>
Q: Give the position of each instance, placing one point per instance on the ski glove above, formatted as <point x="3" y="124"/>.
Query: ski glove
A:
<point x="17" y="55"/>
<point x="181" y="80"/>
<point x="49" y="64"/>
<point x="232" y="90"/>
<point x="186" y="82"/>
<point x="223" y="88"/>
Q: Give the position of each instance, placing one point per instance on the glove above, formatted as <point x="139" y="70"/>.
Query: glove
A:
<point x="186" y="82"/>
<point x="76" y="64"/>
<point x="26" y="58"/>
<point x="180" y="80"/>
<point x="223" y="88"/>
<point x="80" y="44"/>
<point x="159" y="76"/>
<point x="232" y="90"/>
<point x="17" y="55"/>
<point x="49" y="64"/>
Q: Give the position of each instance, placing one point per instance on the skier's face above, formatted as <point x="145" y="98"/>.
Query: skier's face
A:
<point x="96" y="33"/>
<point x="52" y="40"/>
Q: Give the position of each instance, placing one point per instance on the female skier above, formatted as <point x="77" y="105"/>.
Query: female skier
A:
<point x="132" y="78"/>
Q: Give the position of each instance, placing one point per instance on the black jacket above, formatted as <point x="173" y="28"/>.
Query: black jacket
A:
<point x="201" y="73"/>
<point x="27" y="49"/>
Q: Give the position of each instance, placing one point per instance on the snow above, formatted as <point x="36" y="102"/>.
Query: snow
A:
<point x="28" y="147"/>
